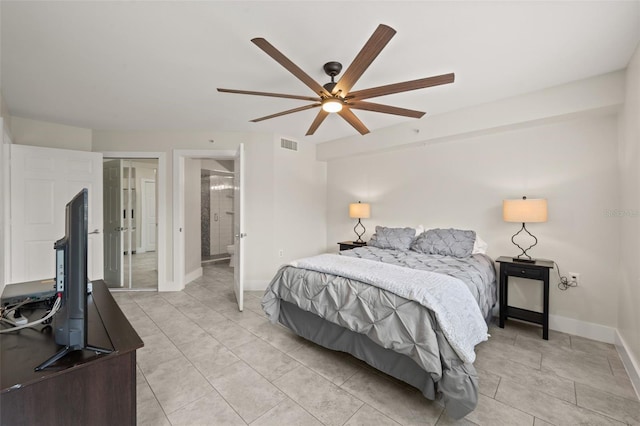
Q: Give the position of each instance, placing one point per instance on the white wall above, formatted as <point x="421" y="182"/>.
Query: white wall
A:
<point x="462" y="183"/>
<point x="192" y="223"/>
<point x="262" y="201"/>
<point x="50" y="135"/>
<point x="300" y="210"/>
<point x="3" y="253"/>
<point x="604" y="92"/>
<point x="629" y="221"/>
<point x="5" y="208"/>
<point x="454" y="170"/>
<point x="3" y="113"/>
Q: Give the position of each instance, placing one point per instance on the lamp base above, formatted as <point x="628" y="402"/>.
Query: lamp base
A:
<point x="359" y="243"/>
<point x="521" y="260"/>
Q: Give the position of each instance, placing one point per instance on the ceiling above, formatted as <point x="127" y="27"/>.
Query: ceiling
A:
<point x="156" y="65"/>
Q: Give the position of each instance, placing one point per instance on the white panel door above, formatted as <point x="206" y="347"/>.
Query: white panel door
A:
<point x="149" y="221"/>
<point x="43" y="181"/>
<point x="238" y="226"/>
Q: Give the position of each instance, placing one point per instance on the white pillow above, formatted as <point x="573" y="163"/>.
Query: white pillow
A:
<point x="479" y="246"/>
<point x="419" y="230"/>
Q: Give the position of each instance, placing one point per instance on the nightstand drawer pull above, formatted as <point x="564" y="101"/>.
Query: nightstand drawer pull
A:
<point x="525" y="273"/>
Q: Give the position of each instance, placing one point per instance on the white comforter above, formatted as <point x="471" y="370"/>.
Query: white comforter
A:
<point x="448" y="298"/>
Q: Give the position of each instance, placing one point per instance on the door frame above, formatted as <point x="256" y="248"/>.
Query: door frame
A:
<point x="179" y="157"/>
<point x="161" y="202"/>
<point x="5" y="190"/>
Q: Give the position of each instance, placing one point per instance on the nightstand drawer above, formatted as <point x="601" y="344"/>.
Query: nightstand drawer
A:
<point x="524" y="272"/>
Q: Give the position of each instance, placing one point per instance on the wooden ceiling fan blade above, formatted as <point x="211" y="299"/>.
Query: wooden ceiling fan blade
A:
<point x="270" y="50"/>
<point x="274" y="95"/>
<point x="372" y="48"/>
<point x="289" y="111"/>
<point x="322" y="114"/>
<point x="387" y="109"/>
<point x="401" y="87"/>
<point x="351" y="118"/>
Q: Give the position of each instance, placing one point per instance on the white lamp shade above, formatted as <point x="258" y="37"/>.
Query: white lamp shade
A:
<point x="359" y="210"/>
<point x="525" y="210"/>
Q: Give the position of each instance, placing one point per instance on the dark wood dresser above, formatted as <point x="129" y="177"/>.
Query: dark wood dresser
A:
<point x="83" y="388"/>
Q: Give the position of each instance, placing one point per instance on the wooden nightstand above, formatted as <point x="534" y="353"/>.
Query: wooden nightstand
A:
<point x="539" y="271"/>
<point x="348" y="245"/>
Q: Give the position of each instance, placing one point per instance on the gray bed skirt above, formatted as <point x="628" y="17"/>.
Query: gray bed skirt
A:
<point x="460" y="398"/>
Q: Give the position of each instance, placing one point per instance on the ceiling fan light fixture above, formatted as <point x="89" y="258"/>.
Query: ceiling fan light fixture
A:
<point x="332" y="105"/>
<point x="332" y="97"/>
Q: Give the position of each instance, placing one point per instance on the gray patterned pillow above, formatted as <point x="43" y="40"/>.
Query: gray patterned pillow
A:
<point x="392" y="238"/>
<point x="447" y="242"/>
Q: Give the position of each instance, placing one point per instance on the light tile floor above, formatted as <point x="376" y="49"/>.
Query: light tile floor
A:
<point x="205" y="363"/>
<point x="144" y="272"/>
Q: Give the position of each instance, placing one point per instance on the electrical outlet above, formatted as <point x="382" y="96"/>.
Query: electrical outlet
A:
<point x="574" y="277"/>
<point x="280" y="253"/>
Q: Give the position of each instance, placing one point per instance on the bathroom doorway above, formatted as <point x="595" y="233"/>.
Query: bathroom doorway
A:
<point x="216" y="191"/>
<point x="187" y="213"/>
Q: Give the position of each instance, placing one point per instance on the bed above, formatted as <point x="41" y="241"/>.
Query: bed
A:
<point x="412" y="306"/>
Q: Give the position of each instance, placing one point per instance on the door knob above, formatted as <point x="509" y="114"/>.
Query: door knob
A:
<point x="95" y="231"/>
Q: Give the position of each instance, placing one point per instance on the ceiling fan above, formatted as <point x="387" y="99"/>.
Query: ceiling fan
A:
<point x="337" y="97"/>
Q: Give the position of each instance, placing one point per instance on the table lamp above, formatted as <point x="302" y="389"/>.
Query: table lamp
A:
<point x="524" y="211"/>
<point x="359" y="211"/>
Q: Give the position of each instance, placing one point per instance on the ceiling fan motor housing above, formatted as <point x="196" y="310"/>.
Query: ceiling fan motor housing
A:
<point x="331" y="69"/>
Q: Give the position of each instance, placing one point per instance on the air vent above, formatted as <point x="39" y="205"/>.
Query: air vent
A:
<point x="288" y="144"/>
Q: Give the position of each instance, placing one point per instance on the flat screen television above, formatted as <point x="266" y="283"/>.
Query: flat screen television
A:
<point x="70" y="322"/>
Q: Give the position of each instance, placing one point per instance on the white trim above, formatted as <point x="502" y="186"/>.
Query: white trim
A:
<point x="144" y="231"/>
<point x="161" y="181"/>
<point x="589" y="330"/>
<point x="631" y="364"/>
<point x="196" y="273"/>
<point x="6" y="197"/>
<point x="256" y="285"/>
<point x="179" y="156"/>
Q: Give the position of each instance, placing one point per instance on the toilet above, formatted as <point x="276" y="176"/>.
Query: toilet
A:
<point x="231" y="249"/>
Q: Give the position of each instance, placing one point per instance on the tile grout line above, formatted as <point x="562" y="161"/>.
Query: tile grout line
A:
<point x="196" y="368"/>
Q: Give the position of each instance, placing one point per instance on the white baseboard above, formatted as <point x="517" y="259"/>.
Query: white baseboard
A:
<point x="631" y="364"/>
<point x="196" y="273"/>
<point x="168" y="286"/>
<point x="589" y="330"/>
<point x="256" y="285"/>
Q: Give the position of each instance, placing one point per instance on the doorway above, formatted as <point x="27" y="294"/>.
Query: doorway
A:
<point x="216" y="184"/>
<point x="130" y="223"/>
<point x="188" y="216"/>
